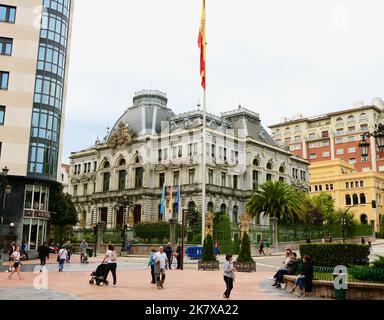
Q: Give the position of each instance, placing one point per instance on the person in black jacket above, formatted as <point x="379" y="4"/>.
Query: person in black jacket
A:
<point x="178" y="256"/>
<point x="290" y="268"/>
<point x="168" y="251"/>
<point x="304" y="280"/>
<point x="43" y="251"/>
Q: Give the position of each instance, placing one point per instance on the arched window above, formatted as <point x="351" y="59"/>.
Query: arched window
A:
<point x="287" y="130"/>
<point x="210" y="206"/>
<point x="223" y="208"/>
<point x="256" y="162"/>
<point x="282" y="169"/>
<point x="235" y="213"/>
<point x="363" y="219"/>
<point x="122" y="178"/>
<point x="122" y="163"/>
<point x="363" y="199"/>
<point x="107" y="165"/>
<point x="363" y="117"/>
<point x="297" y="129"/>
<point x="269" y="166"/>
<point x="191" y="207"/>
<point x="348" y="201"/>
<point x="351" y="118"/>
<point x="355" y="199"/>
<point x="339" y="121"/>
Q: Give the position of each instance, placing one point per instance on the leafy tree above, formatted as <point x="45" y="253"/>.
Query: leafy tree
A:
<point x="222" y="228"/>
<point x="326" y="204"/>
<point x="245" y="250"/>
<point x="208" y="254"/>
<point x="64" y="211"/>
<point x="278" y="199"/>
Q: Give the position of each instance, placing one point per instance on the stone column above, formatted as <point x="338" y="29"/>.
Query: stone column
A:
<point x="109" y="217"/>
<point x="88" y="219"/>
<point x="94" y="215"/>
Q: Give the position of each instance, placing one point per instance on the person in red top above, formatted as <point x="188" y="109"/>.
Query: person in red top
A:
<point x="217" y="246"/>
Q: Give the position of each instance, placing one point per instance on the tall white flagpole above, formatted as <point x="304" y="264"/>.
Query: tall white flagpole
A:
<point x="204" y="174"/>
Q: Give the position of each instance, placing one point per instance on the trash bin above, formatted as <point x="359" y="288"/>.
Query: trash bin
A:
<point x="339" y="294"/>
<point x="90" y="252"/>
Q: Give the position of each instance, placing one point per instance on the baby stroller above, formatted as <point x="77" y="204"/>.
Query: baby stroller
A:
<point x="98" y="276"/>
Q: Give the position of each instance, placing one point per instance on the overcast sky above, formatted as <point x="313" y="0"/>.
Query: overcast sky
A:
<point x="278" y="58"/>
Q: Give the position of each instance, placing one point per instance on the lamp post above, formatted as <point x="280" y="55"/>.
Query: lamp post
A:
<point x="378" y="134"/>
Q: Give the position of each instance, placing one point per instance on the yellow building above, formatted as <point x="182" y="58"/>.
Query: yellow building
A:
<point x="360" y="190"/>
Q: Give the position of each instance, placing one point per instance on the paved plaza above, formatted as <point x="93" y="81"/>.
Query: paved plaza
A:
<point x="133" y="281"/>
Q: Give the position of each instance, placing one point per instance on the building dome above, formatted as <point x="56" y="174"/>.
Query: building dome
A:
<point x="148" y="111"/>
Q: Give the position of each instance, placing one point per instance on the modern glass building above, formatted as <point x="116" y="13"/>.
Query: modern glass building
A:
<point x="34" y="53"/>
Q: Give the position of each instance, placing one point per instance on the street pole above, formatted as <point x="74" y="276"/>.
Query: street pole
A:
<point x="182" y="240"/>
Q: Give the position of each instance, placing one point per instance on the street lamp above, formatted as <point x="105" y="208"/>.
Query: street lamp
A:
<point x="8" y="188"/>
<point x="378" y="134"/>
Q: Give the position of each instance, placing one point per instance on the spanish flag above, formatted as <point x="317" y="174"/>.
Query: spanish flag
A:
<point x="202" y="45"/>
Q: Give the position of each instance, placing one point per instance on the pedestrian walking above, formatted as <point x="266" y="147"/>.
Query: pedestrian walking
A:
<point x="169" y="251"/>
<point x="11" y="250"/>
<point x="261" y="248"/>
<point x="83" y="251"/>
<point x="62" y="257"/>
<point x="370" y="246"/>
<point x="68" y="246"/>
<point x="111" y="259"/>
<point x="24" y="250"/>
<point x="362" y="240"/>
<point x="229" y="276"/>
<point x="178" y="254"/>
<point x="160" y="259"/>
<point x="43" y="251"/>
<point x="151" y="264"/>
<point x="16" y="263"/>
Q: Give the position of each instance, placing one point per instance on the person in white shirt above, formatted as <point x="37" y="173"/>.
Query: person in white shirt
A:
<point x="16" y="263"/>
<point x="62" y="257"/>
<point x="160" y="262"/>
<point x="110" y="258"/>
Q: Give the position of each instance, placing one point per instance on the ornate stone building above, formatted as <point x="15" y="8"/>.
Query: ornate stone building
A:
<point x="120" y="180"/>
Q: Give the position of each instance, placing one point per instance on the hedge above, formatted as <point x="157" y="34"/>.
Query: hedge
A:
<point x="334" y="254"/>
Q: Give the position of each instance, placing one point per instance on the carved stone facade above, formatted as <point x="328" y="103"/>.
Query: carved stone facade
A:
<point x="120" y="180"/>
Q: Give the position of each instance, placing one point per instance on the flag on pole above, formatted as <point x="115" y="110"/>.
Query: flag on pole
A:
<point x="170" y="200"/>
<point x="162" y="203"/>
<point x="178" y="200"/>
<point x="202" y="46"/>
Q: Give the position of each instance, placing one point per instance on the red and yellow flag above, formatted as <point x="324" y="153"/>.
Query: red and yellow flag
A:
<point x="202" y="45"/>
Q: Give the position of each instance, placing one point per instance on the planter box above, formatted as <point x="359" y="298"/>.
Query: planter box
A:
<point x="245" y="266"/>
<point x="208" y="265"/>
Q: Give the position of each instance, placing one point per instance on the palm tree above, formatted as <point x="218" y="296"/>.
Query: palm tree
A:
<point x="278" y="199"/>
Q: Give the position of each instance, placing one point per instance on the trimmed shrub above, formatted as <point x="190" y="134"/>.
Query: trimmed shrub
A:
<point x="208" y="254"/>
<point x="379" y="263"/>
<point x="334" y="254"/>
<point x="245" y="250"/>
<point x="367" y="274"/>
<point x="150" y="231"/>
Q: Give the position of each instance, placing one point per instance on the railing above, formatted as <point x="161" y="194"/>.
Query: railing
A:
<point x="289" y="233"/>
<point x="354" y="274"/>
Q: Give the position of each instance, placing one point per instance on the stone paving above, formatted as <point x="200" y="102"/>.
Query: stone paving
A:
<point x="29" y="293"/>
